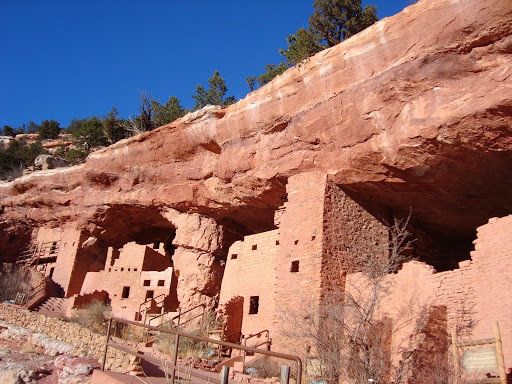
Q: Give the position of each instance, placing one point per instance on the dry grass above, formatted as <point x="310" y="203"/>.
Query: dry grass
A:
<point x="94" y="316"/>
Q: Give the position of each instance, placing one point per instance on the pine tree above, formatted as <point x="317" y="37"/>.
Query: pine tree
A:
<point x="336" y="20"/>
<point x="215" y="95"/>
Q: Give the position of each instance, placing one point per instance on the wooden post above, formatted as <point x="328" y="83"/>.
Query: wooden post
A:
<point x="285" y="374"/>
<point x="455" y="350"/>
<point x="499" y="354"/>
<point x="224" y="375"/>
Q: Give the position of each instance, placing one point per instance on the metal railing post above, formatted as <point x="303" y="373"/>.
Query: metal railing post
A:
<point x="178" y="334"/>
<point x="106" y="345"/>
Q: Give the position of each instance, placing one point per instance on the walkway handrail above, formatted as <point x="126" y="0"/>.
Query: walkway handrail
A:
<point x="141" y="310"/>
<point x="178" y="316"/>
<point x="268" y="342"/>
<point x="195" y="337"/>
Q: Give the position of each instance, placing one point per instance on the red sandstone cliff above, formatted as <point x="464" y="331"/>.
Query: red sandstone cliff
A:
<point x="415" y="111"/>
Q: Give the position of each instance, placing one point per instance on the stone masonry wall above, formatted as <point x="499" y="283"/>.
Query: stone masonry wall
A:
<point x="474" y="295"/>
<point x="69" y="239"/>
<point x="85" y="342"/>
<point x="127" y="271"/>
<point x="250" y="272"/>
<point x="299" y="264"/>
<point x="350" y="232"/>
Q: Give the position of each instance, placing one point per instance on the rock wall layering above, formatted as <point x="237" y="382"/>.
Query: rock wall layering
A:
<point x="413" y="113"/>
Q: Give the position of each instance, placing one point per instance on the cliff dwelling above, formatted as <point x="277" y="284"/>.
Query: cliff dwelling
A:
<point x="265" y="210"/>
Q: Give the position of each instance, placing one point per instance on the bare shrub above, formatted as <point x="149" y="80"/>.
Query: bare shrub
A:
<point x="267" y="367"/>
<point x="351" y="340"/>
<point x="13" y="279"/>
<point x="94" y="316"/>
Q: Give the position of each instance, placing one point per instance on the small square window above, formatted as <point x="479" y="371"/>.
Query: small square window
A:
<point x="126" y="293"/>
<point x="295" y="266"/>
<point x="147" y="283"/>
<point x="254" y="304"/>
<point x="122" y="269"/>
<point x="161" y="283"/>
<point x="156" y="245"/>
<point x="313" y="238"/>
<point x="135" y="269"/>
<point x="296" y="242"/>
<point x="234" y="256"/>
<point x="149" y="294"/>
<point x="277" y="242"/>
<point x="255" y="247"/>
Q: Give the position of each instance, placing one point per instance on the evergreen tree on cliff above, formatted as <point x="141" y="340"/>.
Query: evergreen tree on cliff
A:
<point x="336" y="20"/>
<point x="215" y="93"/>
<point x="168" y="112"/>
<point x="332" y="22"/>
<point x="49" y="129"/>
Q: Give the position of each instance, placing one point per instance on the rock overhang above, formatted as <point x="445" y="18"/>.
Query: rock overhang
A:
<point x="403" y="115"/>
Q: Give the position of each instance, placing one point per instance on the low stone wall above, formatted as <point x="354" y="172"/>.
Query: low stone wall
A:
<point x="85" y="342"/>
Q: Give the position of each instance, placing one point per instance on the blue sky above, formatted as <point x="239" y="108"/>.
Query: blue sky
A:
<point x="66" y="59"/>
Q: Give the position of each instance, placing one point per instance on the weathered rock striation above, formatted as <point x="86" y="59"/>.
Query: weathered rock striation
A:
<point x="414" y="112"/>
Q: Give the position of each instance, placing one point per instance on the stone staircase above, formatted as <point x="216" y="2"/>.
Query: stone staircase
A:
<point x="52" y="307"/>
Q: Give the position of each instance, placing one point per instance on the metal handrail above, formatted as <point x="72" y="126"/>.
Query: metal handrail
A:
<point x="150" y="301"/>
<point x="178" y="316"/>
<point x="268" y="342"/>
<point x="194" y="337"/>
<point x="222" y="349"/>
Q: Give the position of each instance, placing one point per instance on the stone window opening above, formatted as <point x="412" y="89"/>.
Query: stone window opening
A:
<point x="126" y="293"/>
<point x="295" y="266"/>
<point x="313" y="238"/>
<point x="277" y="242"/>
<point x="156" y="245"/>
<point x="255" y="247"/>
<point x="147" y="283"/>
<point x="234" y="256"/>
<point x="254" y="304"/>
<point x="161" y="283"/>
<point x="296" y="242"/>
<point x="149" y="294"/>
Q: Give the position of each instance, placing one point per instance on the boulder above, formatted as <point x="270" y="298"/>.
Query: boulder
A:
<point x="49" y="162"/>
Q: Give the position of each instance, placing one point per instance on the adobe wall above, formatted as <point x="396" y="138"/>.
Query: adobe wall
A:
<point x="90" y="257"/>
<point x="474" y="295"/>
<point x="127" y="271"/>
<point x="250" y="272"/>
<point x="295" y="265"/>
<point x="301" y="241"/>
<point x="70" y="240"/>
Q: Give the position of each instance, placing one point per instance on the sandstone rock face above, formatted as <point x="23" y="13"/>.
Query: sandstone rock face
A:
<point x="415" y="111"/>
